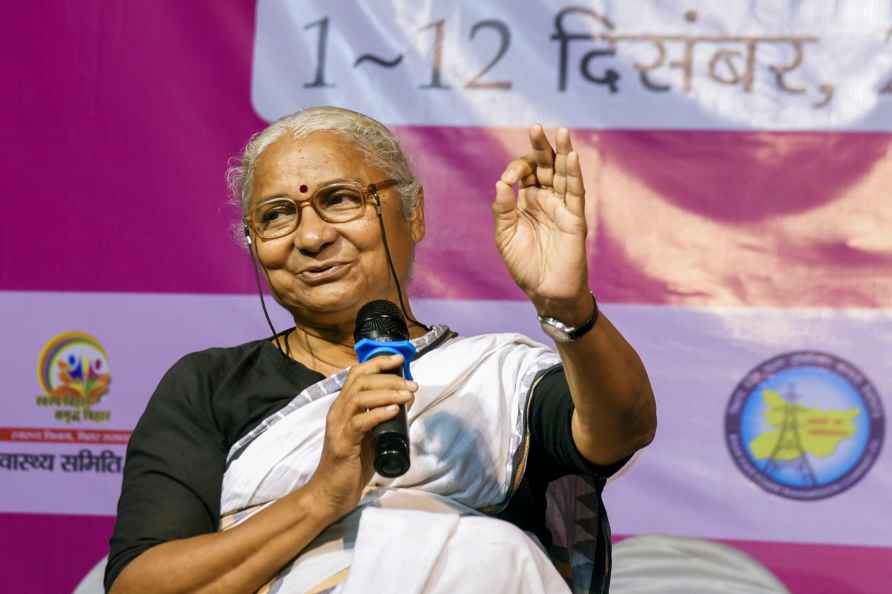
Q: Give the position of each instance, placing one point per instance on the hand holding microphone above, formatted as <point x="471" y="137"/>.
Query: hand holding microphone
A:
<point x="371" y="405"/>
<point x="380" y="331"/>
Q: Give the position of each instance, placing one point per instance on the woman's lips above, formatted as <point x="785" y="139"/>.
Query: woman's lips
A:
<point x="323" y="274"/>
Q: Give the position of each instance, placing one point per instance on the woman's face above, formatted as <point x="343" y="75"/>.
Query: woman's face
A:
<point x="324" y="272"/>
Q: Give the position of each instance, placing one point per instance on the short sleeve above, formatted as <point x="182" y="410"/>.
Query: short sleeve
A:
<point x="551" y="412"/>
<point x="174" y="467"/>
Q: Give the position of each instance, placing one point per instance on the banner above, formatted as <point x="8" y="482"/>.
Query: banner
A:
<point x="736" y="161"/>
<point x="776" y="66"/>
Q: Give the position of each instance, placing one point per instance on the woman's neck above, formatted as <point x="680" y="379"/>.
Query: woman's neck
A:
<point x="328" y="349"/>
<point x="325" y="352"/>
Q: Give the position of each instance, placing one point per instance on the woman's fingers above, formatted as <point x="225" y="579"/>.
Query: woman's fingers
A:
<point x="543" y="154"/>
<point x="575" y="190"/>
<point x="364" y="422"/>
<point x="377" y="365"/>
<point x="504" y="207"/>
<point x="382" y="381"/>
<point x="563" y="142"/>
<point x="375" y="387"/>
<point x="369" y="408"/>
<point x="506" y="203"/>
<point x="521" y="170"/>
<point x="564" y="147"/>
<point x="374" y="366"/>
<point x="368" y="394"/>
<point x="376" y="398"/>
<point x="555" y="169"/>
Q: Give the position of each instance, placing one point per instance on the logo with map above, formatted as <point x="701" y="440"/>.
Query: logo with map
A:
<point x="805" y="425"/>
<point x="74" y="375"/>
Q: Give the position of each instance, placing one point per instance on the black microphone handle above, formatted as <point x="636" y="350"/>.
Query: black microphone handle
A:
<point x="392" y="440"/>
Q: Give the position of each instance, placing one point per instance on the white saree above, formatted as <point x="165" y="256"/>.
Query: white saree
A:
<point x="426" y="531"/>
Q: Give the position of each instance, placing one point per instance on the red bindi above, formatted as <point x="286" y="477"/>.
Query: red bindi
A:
<point x="303" y="188"/>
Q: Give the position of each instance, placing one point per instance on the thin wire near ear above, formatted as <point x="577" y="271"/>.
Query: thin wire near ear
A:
<point x="396" y="280"/>
<point x="286" y="352"/>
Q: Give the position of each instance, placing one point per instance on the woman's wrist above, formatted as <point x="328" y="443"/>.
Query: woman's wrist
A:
<point x="314" y="504"/>
<point x="574" y="311"/>
<point x="323" y="503"/>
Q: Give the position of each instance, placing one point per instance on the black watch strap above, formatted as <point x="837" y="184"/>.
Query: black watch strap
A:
<point x="564" y="332"/>
<point x="586" y="325"/>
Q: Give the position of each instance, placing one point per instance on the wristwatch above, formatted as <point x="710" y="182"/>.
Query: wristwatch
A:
<point x="561" y="332"/>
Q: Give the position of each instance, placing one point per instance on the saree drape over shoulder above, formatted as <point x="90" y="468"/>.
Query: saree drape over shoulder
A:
<point x="428" y="530"/>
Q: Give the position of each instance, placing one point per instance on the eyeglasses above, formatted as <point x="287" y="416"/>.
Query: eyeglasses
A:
<point x="335" y="202"/>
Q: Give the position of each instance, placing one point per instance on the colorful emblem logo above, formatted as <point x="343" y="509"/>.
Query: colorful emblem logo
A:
<point x="74" y="375"/>
<point x="805" y="425"/>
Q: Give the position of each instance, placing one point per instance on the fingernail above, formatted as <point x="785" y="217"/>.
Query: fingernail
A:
<point x="413" y="385"/>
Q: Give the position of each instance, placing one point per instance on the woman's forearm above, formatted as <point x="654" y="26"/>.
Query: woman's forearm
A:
<point x="615" y="412"/>
<point x="241" y="559"/>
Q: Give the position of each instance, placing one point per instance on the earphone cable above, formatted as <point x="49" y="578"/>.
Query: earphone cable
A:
<point x="285" y="352"/>
<point x="399" y="288"/>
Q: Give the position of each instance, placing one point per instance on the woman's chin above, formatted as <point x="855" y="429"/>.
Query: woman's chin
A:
<point x="329" y="300"/>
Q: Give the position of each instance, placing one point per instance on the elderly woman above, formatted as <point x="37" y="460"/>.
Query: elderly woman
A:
<point x="251" y="468"/>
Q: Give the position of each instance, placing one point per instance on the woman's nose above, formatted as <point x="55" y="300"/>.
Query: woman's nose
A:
<point x="312" y="233"/>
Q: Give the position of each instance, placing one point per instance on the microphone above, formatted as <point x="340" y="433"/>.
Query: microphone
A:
<point x="380" y="331"/>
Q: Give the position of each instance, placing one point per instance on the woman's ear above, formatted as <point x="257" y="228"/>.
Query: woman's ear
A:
<point x="416" y="218"/>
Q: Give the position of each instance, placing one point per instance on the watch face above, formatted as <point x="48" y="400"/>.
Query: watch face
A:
<point x="554" y="332"/>
<point x="561" y="332"/>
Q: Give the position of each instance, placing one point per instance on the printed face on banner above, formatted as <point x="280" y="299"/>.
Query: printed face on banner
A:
<point x="329" y="269"/>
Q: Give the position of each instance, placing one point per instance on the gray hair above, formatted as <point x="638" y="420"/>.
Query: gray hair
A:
<point x="378" y="144"/>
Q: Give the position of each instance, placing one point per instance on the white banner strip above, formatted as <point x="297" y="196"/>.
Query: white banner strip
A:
<point x="600" y="64"/>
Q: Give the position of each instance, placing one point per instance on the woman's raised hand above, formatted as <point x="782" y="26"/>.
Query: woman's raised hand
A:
<point x="541" y="229"/>
<point x="369" y="396"/>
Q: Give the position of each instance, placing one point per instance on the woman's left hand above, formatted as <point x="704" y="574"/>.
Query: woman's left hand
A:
<point x="540" y="231"/>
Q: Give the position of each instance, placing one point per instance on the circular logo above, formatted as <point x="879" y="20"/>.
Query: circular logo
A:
<point x="805" y="425"/>
<point x="73" y="366"/>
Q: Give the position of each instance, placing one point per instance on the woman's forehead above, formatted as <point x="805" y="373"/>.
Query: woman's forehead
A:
<point x="290" y="164"/>
<point x="320" y="154"/>
<point x="296" y="167"/>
